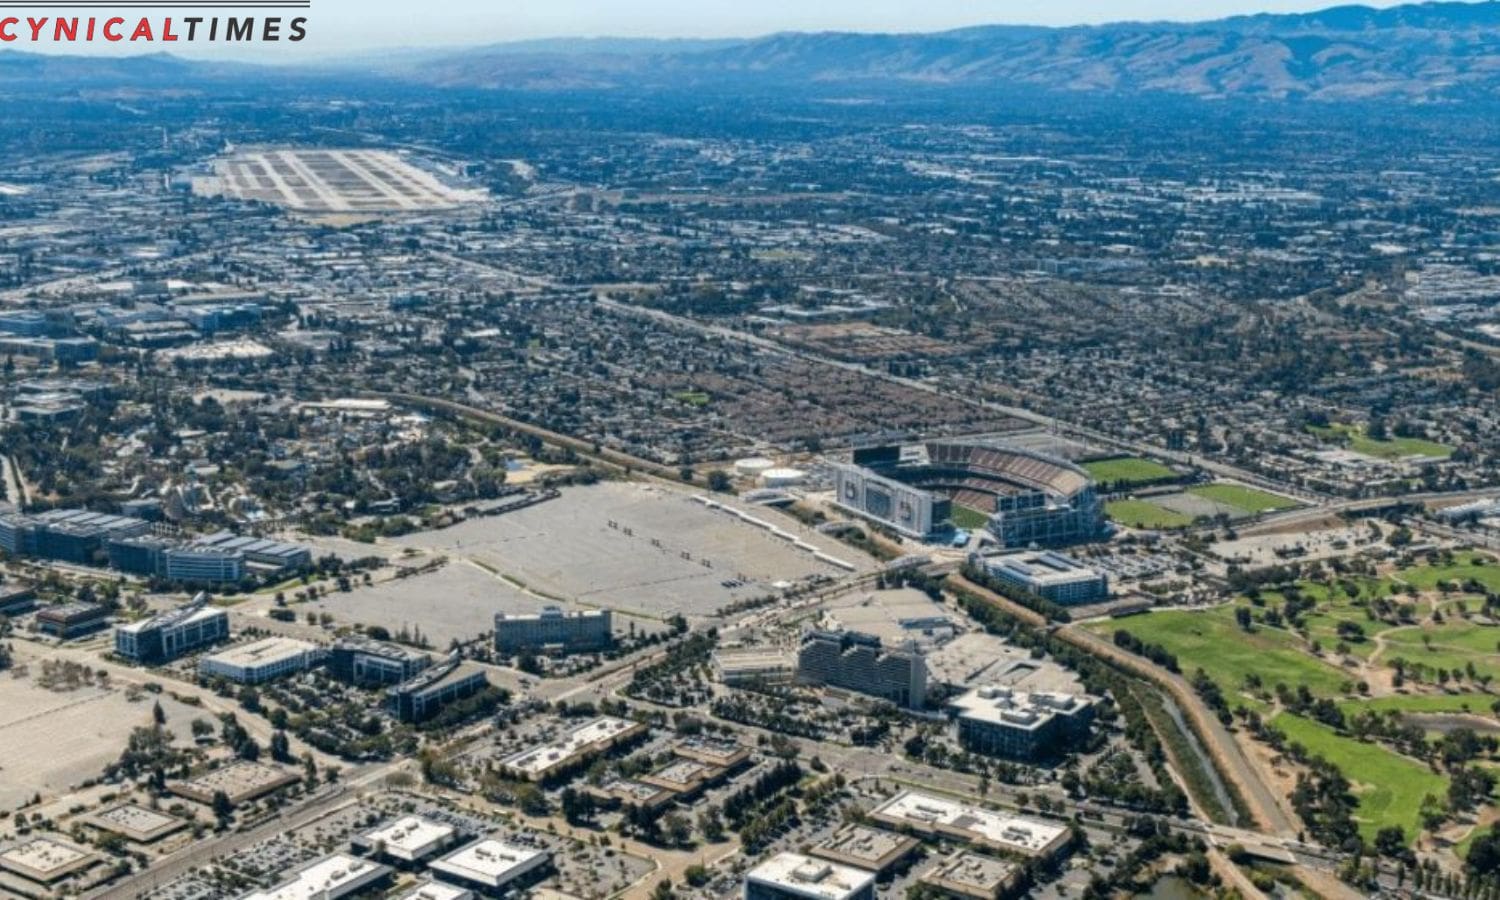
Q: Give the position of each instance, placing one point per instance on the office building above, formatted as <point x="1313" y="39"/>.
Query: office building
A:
<point x="329" y="878"/>
<point x="792" y="876"/>
<point x="999" y="721"/>
<point x="204" y="565"/>
<point x="553" y="630"/>
<point x="863" y="847"/>
<point x="579" y="745"/>
<point x="145" y="556"/>
<point x="420" y="698"/>
<point x="436" y="890"/>
<point x="259" y="552"/>
<point x="970" y="876"/>
<point x="260" y="661"/>
<point x="491" y="865"/>
<point x="372" y="663"/>
<point x="161" y="639"/>
<point x="66" y="535"/>
<point x="738" y="668"/>
<point x="1051" y="575"/>
<point x="16" y="599"/>
<point x="933" y="816"/>
<point x="858" y="662"/>
<point x="407" y="841"/>
<point x="70" y="620"/>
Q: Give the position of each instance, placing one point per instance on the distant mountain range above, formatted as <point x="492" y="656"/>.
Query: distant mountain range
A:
<point x="1419" y="53"/>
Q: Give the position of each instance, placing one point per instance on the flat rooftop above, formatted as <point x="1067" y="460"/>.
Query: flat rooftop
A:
<point x="436" y="890"/>
<point x="811" y="877"/>
<point x="1018" y="709"/>
<point x="490" y="861"/>
<point x="928" y="812"/>
<point x="239" y="780"/>
<point x="866" y="847"/>
<point x="410" y="837"/>
<point x="585" y="738"/>
<point x="45" y="859"/>
<point x="136" y="822"/>
<point x="261" y="652"/>
<point x="973" y="873"/>
<point x="331" y="877"/>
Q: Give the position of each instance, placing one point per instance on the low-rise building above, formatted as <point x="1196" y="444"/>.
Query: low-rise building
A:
<point x="408" y="840"/>
<point x="136" y="823"/>
<point x="970" y="876"/>
<point x="580" y="744"/>
<point x="721" y="752"/>
<point x="928" y="814"/>
<point x="436" y="890"/>
<point x="261" y="661"/>
<point x="490" y="865"/>
<point x="685" y="777"/>
<point x="329" y="878"/>
<point x="792" y="876"/>
<point x="203" y="565"/>
<point x="737" y="668"/>
<point x="16" y="599"/>
<point x="45" y="861"/>
<point x="867" y="848"/>
<point x="66" y="621"/>
<point x="276" y="555"/>
<point x="239" y="781"/>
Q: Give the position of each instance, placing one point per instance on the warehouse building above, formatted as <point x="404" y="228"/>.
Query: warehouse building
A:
<point x="554" y="631"/>
<point x="261" y="661"/>
<point x="792" y="876"/>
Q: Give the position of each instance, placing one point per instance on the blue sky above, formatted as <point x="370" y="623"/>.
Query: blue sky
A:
<point x="338" y="27"/>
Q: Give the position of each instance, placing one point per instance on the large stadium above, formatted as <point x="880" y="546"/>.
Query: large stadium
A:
<point x="1027" y="497"/>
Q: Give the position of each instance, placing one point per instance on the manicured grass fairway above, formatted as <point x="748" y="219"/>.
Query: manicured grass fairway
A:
<point x="1390" y="448"/>
<point x="1128" y="471"/>
<point x="1479" y="704"/>
<point x="1389" y="786"/>
<point x="1144" y="514"/>
<point x="1249" y="499"/>
<point x="1479" y="568"/>
<point x="1213" y="641"/>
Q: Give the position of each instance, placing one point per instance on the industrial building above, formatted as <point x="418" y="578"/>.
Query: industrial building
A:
<point x="371" y="663"/>
<point x="261" y="661"/>
<point x="161" y="639"/>
<point x="329" y="878"/>
<point x="70" y="620"/>
<point x="580" y="744"/>
<point x="859" y="663"/>
<point x="999" y="721"/>
<point x="927" y="814"/>
<point x="492" y="865"/>
<point x="554" y="631"/>
<point x="792" y="876"/>
<point x="1051" y="575"/>
<point x="420" y="698"/>
<point x="1029" y="498"/>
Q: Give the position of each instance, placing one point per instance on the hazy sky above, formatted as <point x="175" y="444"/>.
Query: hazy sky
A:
<point x="343" y="26"/>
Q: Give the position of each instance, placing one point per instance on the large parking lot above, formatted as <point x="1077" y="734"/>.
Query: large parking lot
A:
<point x="638" y="548"/>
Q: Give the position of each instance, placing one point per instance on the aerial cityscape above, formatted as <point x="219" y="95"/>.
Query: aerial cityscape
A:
<point x="1008" y="462"/>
